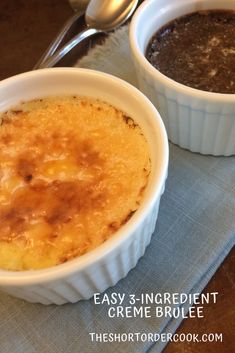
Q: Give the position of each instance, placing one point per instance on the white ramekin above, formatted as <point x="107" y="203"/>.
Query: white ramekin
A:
<point x="103" y="267"/>
<point x="196" y="120"/>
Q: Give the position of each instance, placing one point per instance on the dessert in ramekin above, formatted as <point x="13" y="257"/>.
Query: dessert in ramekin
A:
<point x="197" y="120"/>
<point x="94" y="270"/>
<point x="73" y="171"/>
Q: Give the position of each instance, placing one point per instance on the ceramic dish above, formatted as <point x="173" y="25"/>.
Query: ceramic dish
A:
<point x="102" y="267"/>
<point x="196" y="120"/>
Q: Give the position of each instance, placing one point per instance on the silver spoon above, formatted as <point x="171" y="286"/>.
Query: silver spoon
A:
<point x="100" y="16"/>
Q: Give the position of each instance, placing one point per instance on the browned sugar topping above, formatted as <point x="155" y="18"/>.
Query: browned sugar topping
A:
<point x="73" y="171"/>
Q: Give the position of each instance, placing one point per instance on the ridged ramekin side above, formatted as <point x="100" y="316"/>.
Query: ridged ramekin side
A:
<point x="197" y="125"/>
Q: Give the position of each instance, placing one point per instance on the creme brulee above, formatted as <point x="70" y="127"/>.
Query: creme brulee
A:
<point x="73" y="171"/>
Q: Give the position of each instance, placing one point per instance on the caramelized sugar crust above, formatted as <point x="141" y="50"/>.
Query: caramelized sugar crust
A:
<point x="72" y="171"/>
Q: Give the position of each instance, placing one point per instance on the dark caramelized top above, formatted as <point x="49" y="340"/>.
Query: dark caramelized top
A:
<point x="197" y="50"/>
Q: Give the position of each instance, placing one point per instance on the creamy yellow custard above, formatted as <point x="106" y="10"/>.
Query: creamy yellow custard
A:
<point x="73" y="170"/>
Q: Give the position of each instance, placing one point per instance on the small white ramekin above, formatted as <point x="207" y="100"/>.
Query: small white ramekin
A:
<point x="196" y="120"/>
<point x="107" y="264"/>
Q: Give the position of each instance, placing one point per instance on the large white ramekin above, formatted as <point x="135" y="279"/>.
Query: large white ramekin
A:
<point x="103" y="267"/>
<point x="196" y="120"/>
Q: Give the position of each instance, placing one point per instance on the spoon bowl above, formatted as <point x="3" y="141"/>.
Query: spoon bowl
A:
<point x="107" y="15"/>
<point x="101" y="16"/>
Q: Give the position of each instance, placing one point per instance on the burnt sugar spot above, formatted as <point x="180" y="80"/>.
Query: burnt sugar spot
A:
<point x="17" y="111"/>
<point x="28" y="178"/>
<point x="6" y="138"/>
<point x="67" y="198"/>
<point x="73" y="252"/>
<point x="56" y="203"/>
<point x="114" y="226"/>
<point x="129" y="121"/>
<point x="128" y="216"/>
<point x="25" y="167"/>
<point x="6" y="119"/>
<point x="12" y="223"/>
<point x="84" y="103"/>
<point x="39" y="140"/>
<point x="86" y="155"/>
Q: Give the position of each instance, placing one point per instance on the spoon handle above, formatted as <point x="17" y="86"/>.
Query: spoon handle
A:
<point x="60" y="36"/>
<point x="53" y="59"/>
